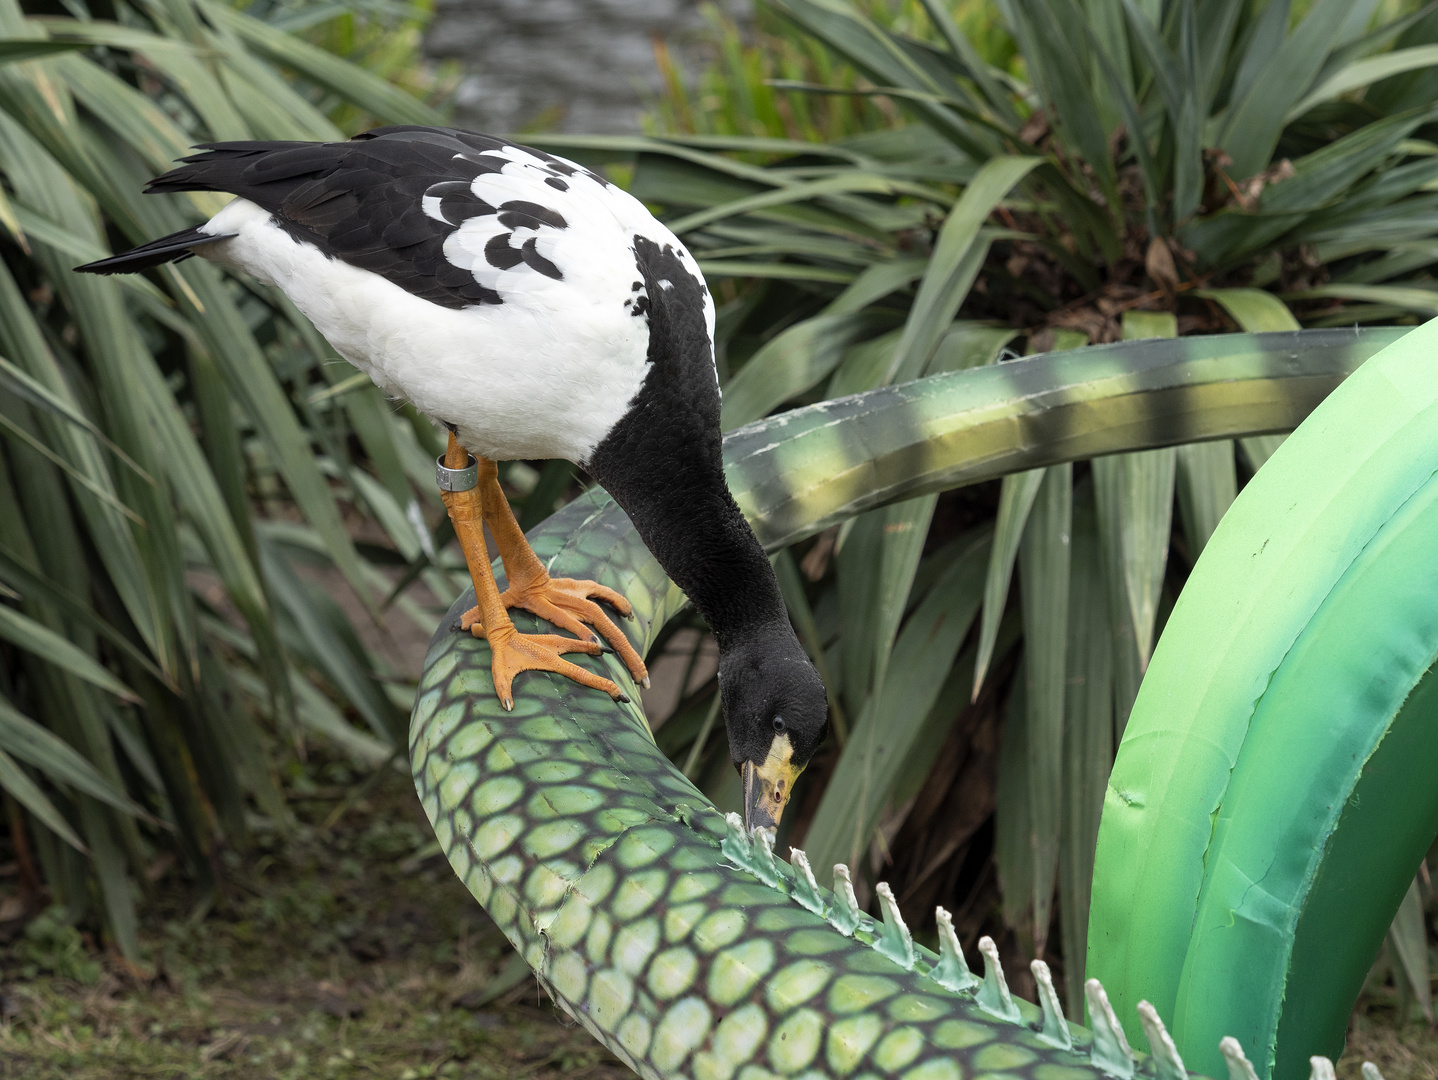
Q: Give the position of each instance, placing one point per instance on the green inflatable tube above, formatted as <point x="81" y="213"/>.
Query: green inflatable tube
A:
<point x="1273" y="792"/>
<point x="689" y="949"/>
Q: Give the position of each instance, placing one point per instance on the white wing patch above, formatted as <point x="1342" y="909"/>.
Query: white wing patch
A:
<point x="523" y="244"/>
<point x="591" y="217"/>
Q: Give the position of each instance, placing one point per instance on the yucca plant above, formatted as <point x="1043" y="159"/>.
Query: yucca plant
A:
<point x="148" y="617"/>
<point x="767" y="80"/>
<point x="1140" y="169"/>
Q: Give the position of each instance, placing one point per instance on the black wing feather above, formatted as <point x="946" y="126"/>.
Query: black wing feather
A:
<point x="362" y="201"/>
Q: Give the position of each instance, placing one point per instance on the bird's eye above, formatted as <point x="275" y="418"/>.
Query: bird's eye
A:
<point x="778" y="725"/>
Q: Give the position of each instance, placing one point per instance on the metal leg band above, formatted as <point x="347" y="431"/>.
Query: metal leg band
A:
<point x="457" y="479"/>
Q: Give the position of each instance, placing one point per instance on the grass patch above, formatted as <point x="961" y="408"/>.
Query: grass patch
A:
<point x="345" y="947"/>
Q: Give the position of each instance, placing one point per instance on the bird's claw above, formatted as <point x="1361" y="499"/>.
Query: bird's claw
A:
<point x="512" y="652"/>
<point x="570" y="604"/>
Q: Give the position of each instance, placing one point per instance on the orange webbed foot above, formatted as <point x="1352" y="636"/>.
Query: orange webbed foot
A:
<point x="512" y="652"/>
<point x="569" y="604"/>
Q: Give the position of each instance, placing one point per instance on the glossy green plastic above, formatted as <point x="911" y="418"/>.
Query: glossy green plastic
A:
<point x="1273" y="792"/>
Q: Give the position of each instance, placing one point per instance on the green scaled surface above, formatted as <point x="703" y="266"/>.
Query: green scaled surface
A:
<point x="1273" y="794"/>
<point x="605" y="867"/>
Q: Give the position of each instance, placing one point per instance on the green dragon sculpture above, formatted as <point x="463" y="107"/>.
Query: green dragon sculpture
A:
<point x="688" y="948"/>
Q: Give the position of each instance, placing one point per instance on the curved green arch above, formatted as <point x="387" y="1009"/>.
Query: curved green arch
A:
<point x="614" y="876"/>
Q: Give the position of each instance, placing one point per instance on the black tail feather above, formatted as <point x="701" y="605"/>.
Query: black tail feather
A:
<point x="170" y="248"/>
<point x="226" y="166"/>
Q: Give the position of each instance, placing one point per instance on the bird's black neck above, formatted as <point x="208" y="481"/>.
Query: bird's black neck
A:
<point x="685" y="515"/>
<point x="662" y="463"/>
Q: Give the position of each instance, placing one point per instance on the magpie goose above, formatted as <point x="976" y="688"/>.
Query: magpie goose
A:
<point x="537" y="311"/>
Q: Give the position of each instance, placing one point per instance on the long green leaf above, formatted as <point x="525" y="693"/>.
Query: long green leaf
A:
<point x="13" y="51"/>
<point x="176" y="61"/>
<point x="876" y="282"/>
<point x="877" y="561"/>
<point x="1255" y="310"/>
<point x="952" y="267"/>
<point x="882" y="57"/>
<point x="864" y="365"/>
<point x="1016" y="498"/>
<point x="885" y="730"/>
<point x="1055" y="40"/>
<point x="792" y="362"/>
<point x="28" y="741"/>
<point x="1088" y="737"/>
<point x="1207" y="486"/>
<point x="1013" y="820"/>
<point x="39" y="587"/>
<point x="28" y="794"/>
<point x="1044" y="571"/>
<point x="906" y="527"/>
<point x="79" y="476"/>
<point x="1135" y="506"/>
<point x="34" y="637"/>
<point x="783" y="196"/>
<point x="1409" y="939"/>
<point x="93" y="304"/>
<point x="1257" y="117"/>
<point x="1135" y="510"/>
<point x="969" y="345"/>
<point x="1364" y="72"/>
<point x="251" y="380"/>
<point x="107" y="856"/>
<point x="1422" y="301"/>
<point x="1259" y="448"/>
<point x="800" y="611"/>
<point x="349" y="81"/>
<point x="21" y="384"/>
<point x="323" y="635"/>
<point x="975" y="66"/>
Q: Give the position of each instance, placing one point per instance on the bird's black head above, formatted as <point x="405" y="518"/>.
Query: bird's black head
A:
<point x="776" y="714"/>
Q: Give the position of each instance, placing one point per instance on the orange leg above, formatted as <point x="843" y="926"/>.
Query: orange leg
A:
<point x="511" y="652"/>
<point x="568" y="603"/>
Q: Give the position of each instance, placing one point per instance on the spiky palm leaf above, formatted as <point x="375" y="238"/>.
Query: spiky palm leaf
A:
<point x="144" y="618"/>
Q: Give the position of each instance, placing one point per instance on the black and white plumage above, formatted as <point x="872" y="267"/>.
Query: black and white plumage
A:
<point x="489" y="284"/>
<point x="538" y="311"/>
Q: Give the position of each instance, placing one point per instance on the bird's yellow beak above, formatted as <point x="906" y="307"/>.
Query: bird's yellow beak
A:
<point x="767" y="787"/>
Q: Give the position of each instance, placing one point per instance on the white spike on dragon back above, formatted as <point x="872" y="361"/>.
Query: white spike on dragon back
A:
<point x="952" y="971"/>
<point x="806" y="888"/>
<point x="846" y="915"/>
<point x="1109" y="1052"/>
<point x="895" y="941"/>
<point x="1056" y="1030"/>
<point x="1160" y="1044"/>
<point x="994" y="997"/>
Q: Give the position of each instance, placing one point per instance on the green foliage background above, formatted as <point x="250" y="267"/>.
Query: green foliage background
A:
<point x="180" y="473"/>
<point x="189" y="478"/>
